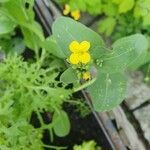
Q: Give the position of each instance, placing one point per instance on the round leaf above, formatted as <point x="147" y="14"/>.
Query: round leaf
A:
<point x="108" y="91"/>
<point x="126" y="52"/>
<point x="66" y="30"/>
<point x="61" y="123"/>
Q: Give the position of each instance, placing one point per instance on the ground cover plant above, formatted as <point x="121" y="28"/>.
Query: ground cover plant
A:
<point x="35" y="74"/>
<point x="125" y="16"/>
<point x="119" y="18"/>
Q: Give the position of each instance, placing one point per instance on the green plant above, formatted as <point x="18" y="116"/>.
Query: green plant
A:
<point x="119" y="18"/>
<point x="19" y="14"/>
<point x="89" y="145"/>
<point x="126" y="16"/>
<point x="39" y="86"/>
<point x="110" y="64"/>
<point x="27" y="88"/>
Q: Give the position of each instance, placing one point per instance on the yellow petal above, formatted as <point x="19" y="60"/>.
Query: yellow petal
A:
<point x="84" y="46"/>
<point x="74" y="47"/>
<point x="76" y="14"/>
<point x="74" y="59"/>
<point x="85" y="58"/>
<point x="86" y="76"/>
<point x="66" y="10"/>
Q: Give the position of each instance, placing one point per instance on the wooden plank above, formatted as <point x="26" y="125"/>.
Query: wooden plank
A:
<point x="127" y="131"/>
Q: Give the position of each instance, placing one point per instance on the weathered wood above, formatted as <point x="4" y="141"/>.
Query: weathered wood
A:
<point x="143" y="116"/>
<point x="138" y="91"/>
<point x="127" y="131"/>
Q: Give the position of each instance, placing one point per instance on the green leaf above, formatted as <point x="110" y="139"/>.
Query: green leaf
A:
<point x="126" y="51"/>
<point x="61" y="123"/>
<point x="69" y="76"/>
<point x="31" y="40"/>
<point x="16" y="9"/>
<point x="117" y="1"/>
<point x="23" y="16"/>
<point x="3" y="1"/>
<point x="139" y="61"/>
<point x="17" y="46"/>
<point x="88" y="145"/>
<point x="146" y="20"/>
<point x="110" y="9"/>
<point x="108" y="91"/>
<point x="52" y="47"/>
<point x="107" y="26"/>
<point x="66" y="30"/>
<point x="36" y="29"/>
<point x="142" y="9"/>
<point x="6" y="24"/>
<point x="126" y="5"/>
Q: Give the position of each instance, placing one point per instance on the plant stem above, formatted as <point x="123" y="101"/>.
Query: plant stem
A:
<point x="40" y="118"/>
<point x="83" y="86"/>
<point x="54" y="147"/>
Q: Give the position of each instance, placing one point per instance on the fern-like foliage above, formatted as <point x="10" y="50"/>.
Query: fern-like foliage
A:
<point x="26" y="88"/>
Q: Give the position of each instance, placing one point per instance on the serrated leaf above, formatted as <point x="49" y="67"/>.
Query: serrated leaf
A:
<point x="61" y="123"/>
<point x="66" y="30"/>
<point x="108" y="91"/>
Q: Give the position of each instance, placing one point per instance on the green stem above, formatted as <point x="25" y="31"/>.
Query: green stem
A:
<point x="40" y="118"/>
<point x="51" y="134"/>
<point x="83" y="86"/>
<point x="148" y="70"/>
<point x="54" y="147"/>
<point x="41" y="59"/>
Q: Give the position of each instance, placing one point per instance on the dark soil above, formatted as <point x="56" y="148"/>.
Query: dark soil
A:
<point x="82" y="129"/>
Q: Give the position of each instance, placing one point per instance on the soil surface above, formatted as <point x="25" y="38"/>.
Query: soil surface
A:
<point x="82" y="129"/>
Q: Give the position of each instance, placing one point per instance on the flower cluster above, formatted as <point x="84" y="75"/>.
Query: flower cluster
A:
<point x="74" y="14"/>
<point x="80" y="52"/>
<point x="80" y="56"/>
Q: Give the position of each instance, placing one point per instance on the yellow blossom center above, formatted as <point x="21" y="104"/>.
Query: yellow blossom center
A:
<point x="80" y="53"/>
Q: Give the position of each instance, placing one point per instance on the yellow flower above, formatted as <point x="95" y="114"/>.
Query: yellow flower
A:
<point x="66" y="9"/>
<point x="80" y="52"/>
<point x="76" y="14"/>
<point x="86" y="76"/>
